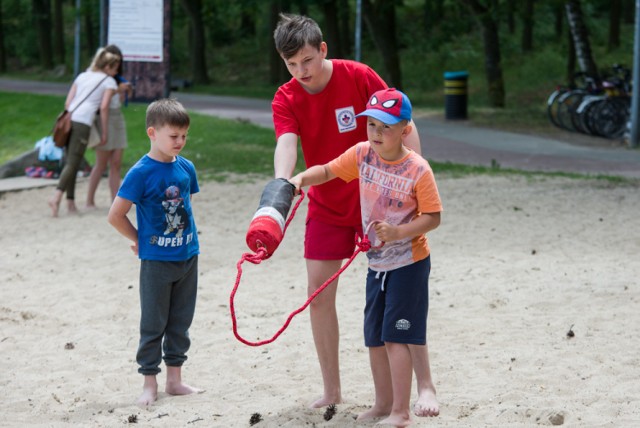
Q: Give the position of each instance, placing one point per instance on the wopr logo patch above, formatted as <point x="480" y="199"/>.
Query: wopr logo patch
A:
<point x="346" y="119"/>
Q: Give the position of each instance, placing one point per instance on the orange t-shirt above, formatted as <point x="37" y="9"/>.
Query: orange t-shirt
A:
<point x="395" y="192"/>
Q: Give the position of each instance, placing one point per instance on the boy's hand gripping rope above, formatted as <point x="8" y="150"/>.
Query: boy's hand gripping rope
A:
<point x="362" y="245"/>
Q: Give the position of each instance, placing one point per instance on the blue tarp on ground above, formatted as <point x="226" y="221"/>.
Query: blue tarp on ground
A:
<point x="48" y="150"/>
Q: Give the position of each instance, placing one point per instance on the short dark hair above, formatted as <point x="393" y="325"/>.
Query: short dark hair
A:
<point x="167" y="111"/>
<point x="293" y="32"/>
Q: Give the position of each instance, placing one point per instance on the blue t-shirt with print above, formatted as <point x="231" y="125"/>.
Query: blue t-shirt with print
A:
<point x="162" y="193"/>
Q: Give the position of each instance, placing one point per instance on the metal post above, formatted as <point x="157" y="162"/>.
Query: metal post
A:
<point x="635" y="95"/>
<point x="358" y="29"/>
<point x="103" y="34"/>
<point x="76" y="44"/>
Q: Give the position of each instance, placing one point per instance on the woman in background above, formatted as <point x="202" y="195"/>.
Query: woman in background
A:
<point x="110" y="153"/>
<point x="91" y="91"/>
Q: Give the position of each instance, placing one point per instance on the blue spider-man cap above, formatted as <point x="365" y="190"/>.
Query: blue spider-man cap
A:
<point x="389" y="106"/>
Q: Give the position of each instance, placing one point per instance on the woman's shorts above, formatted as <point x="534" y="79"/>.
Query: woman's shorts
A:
<point x="397" y="305"/>
<point x="117" y="135"/>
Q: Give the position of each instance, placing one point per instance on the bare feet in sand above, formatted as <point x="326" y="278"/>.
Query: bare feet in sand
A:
<point x="175" y="386"/>
<point x="427" y="404"/>
<point x="71" y="207"/>
<point x="373" y="413"/>
<point x="179" y="388"/>
<point x="324" y="402"/>
<point x="396" y="421"/>
<point x="148" y="397"/>
<point x="55" y="207"/>
<point x="149" y="391"/>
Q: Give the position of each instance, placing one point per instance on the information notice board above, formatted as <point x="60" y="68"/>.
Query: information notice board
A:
<point x="142" y="30"/>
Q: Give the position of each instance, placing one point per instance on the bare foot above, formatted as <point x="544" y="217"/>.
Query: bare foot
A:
<point x="396" y="421"/>
<point x="71" y="207"/>
<point x="149" y="391"/>
<point x="91" y="207"/>
<point x="427" y="404"/>
<point x="324" y="402"/>
<point x="149" y="395"/>
<point x="179" y="388"/>
<point x="55" y="207"/>
<point x="373" y="413"/>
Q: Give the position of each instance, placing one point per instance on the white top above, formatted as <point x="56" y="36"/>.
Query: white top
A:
<point x="85" y="83"/>
<point x="115" y="101"/>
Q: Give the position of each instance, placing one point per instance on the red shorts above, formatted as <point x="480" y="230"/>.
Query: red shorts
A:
<point x="323" y="241"/>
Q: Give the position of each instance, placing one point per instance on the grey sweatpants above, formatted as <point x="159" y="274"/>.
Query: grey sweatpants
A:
<point x="167" y="302"/>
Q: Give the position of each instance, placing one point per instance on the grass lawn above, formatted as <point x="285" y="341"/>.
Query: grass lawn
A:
<point x="219" y="148"/>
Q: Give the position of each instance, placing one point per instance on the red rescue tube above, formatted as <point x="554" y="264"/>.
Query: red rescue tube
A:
<point x="264" y="232"/>
<point x="267" y="226"/>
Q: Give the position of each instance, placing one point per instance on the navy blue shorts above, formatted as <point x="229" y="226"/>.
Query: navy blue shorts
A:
<point x="397" y="305"/>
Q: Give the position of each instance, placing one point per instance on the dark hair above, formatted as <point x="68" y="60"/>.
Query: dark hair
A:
<point x="167" y="111"/>
<point x="103" y="59"/>
<point x="293" y="32"/>
<point x="115" y="50"/>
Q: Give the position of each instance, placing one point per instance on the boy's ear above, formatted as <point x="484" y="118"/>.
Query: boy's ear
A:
<point x="324" y="49"/>
<point x="151" y="132"/>
<point x="407" y="130"/>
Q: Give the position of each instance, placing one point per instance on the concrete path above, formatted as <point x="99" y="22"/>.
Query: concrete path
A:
<point x="443" y="141"/>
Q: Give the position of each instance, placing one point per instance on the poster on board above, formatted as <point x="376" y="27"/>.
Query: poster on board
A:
<point x="136" y="27"/>
<point x="141" y="29"/>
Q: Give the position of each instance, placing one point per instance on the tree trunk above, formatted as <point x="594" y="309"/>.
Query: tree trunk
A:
<point x="303" y="7"/>
<point x="193" y="8"/>
<point x="492" y="65"/>
<point x="58" y="32"/>
<point x="571" y="62"/>
<point x="580" y="37"/>
<point x="248" y="22"/>
<point x="331" y="31"/>
<point x="558" y="12"/>
<point x="433" y="11"/>
<point x="3" y="53"/>
<point x="277" y="71"/>
<point x="41" y="10"/>
<point x="511" y="21"/>
<point x="344" y="13"/>
<point x="91" y="44"/>
<point x="628" y="11"/>
<point x="615" y="16"/>
<point x="527" y="26"/>
<point x="380" y="18"/>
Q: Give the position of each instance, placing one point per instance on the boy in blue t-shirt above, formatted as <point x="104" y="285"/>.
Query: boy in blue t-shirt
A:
<point x="161" y="185"/>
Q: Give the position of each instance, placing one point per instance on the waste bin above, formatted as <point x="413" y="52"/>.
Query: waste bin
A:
<point x="455" y="94"/>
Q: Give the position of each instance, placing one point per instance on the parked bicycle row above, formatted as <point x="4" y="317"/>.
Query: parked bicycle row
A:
<point x="596" y="107"/>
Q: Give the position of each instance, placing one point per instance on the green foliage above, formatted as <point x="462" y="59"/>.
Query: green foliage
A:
<point x="19" y="38"/>
<point x="431" y="41"/>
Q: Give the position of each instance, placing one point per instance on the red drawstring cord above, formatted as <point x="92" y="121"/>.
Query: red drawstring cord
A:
<point x="362" y="245"/>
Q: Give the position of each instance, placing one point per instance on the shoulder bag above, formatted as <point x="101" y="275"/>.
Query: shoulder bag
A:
<point x="62" y="127"/>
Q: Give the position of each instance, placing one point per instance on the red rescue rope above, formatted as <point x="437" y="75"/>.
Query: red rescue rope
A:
<point x="362" y="245"/>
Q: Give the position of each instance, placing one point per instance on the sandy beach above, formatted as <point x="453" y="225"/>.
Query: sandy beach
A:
<point x="517" y="264"/>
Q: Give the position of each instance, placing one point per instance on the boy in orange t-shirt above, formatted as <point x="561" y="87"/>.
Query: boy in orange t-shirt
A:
<point x="399" y="203"/>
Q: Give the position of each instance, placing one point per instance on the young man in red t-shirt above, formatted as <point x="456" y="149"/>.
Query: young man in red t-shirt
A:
<point x="319" y="106"/>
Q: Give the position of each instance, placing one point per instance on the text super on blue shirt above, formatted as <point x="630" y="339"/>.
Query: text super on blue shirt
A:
<point x="162" y="193"/>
